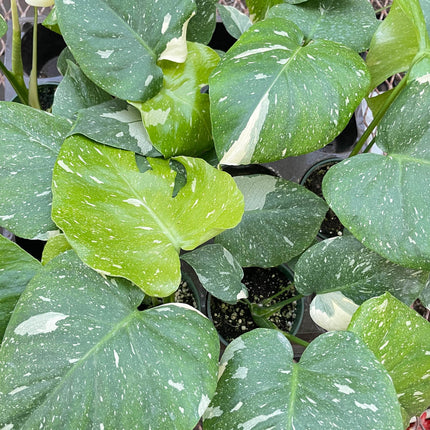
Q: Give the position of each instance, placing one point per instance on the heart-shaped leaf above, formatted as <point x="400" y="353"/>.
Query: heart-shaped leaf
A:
<point x="118" y="46"/>
<point x="234" y="20"/>
<point x="202" y="24"/>
<point x="54" y="246"/>
<point x="218" y="271"/>
<point x="177" y="119"/>
<point x="397" y="41"/>
<point x="17" y="267"/>
<point x="399" y="338"/>
<point x="115" y="123"/>
<point x="76" y="92"/>
<point x="350" y="22"/>
<point x="380" y="198"/>
<point x="258" y="8"/>
<point x="126" y="223"/>
<point x="77" y="351"/>
<point x="29" y="144"/>
<point x="281" y="220"/>
<point x="271" y="85"/>
<point x="338" y="383"/>
<point x="344" y="264"/>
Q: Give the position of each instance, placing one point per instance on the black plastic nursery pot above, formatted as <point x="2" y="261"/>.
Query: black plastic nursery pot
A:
<point x="233" y="320"/>
<point x="312" y="180"/>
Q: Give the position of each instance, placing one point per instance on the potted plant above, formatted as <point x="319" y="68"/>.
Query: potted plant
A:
<point x="118" y="180"/>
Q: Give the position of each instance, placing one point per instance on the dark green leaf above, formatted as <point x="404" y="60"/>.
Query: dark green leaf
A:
<point x="202" y="24"/>
<point x="338" y="383"/>
<point x="78" y="354"/>
<point x="281" y="220"/>
<point x="234" y="21"/>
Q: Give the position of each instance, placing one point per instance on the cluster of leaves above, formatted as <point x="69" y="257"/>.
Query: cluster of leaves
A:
<point x="123" y="175"/>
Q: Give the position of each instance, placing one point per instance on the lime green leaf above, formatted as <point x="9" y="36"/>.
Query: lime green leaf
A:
<point x="3" y="26"/>
<point x="115" y="123"/>
<point x="218" y="272"/>
<point x="29" y="143"/>
<point x="51" y="21"/>
<point x="399" y="338"/>
<point x="177" y="119"/>
<point x="77" y="351"/>
<point x="350" y="22"/>
<point x="202" y="24"/>
<point x="397" y="41"/>
<point x="234" y="21"/>
<point x="76" y="92"/>
<point x="344" y="264"/>
<point x="16" y="270"/>
<point x="118" y="42"/>
<point x="338" y="383"/>
<point x="281" y="220"/>
<point x="271" y="85"/>
<point x="126" y="223"/>
<point x="380" y="198"/>
<point x="55" y="246"/>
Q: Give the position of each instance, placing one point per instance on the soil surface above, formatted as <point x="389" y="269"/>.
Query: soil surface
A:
<point x="233" y="320"/>
<point x="331" y="226"/>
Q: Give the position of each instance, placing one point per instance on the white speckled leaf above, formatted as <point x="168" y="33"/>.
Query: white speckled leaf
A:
<point x="344" y="264"/>
<point x="78" y="353"/>
<point x="29" y="143"/>
<point x="398" y="39"/>
<point x="281" y="220"/>
<point x="234" y="20"/>
<point x="380" y="198"/>
<point x="218" y="271"/>
<point x="177" y="119"/>
<point x="16" y="269"/>
<point x="338" y="383"/>
<point x="399" y="338"/>
<point x="271" y="85"/>
<point x="115" y="123"/>
<point x="126" y="223"/>
<point x="54" y="246"/>
<point x="118" y="42"/>
<point x="258" y="8"/>
<point x="202" y="24"/>
<point x="76" y="92"/>
<point x="350" y="22"/>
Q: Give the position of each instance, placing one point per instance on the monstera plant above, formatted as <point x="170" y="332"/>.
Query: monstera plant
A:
<point x="124" y="179"/>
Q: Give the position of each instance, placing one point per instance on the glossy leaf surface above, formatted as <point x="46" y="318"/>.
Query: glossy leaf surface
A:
<point x="126" y="223"/>
<point x="398" y="39"/>
<point x="118" y="46"/>
<point x="234" y="21"/>
<point x="218" y="271"/>
<point x="177" y="119"/>
<point x="258" y="8"/>
<point x="271" y="85"/>
<point x="115" y="123"/>
<point x="399" y="338"/>
<point x="336" y="379"/>
<point x="350" y="22"/>
<point x="202" y="24"/>
<point x="281" y="220"/>
<point x="344" y="264"/>
<point x="29" y="144"/>
<point x="76" y="92"/>
<point x="77" y="351"/>
<point x="17" y="268"/>
<point x="54" y="246"/>
<point x="380" y="198"/>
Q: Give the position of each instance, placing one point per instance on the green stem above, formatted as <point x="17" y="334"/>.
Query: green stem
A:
<point x="295" y="339"/>
<point x="17" y="68"/>
<point x="369" y="146"/>
<point x="279" y="293"/>
<point x="382" y="9"/>
<point x="169" y="299"/>
<point x="21" y="90"/>
<point x="33" y="96"/>
<point x="268" y="311"/>
<point x="379" y="115"/>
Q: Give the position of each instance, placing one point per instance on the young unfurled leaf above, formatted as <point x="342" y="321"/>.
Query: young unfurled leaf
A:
<point x="126" y="223"/>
